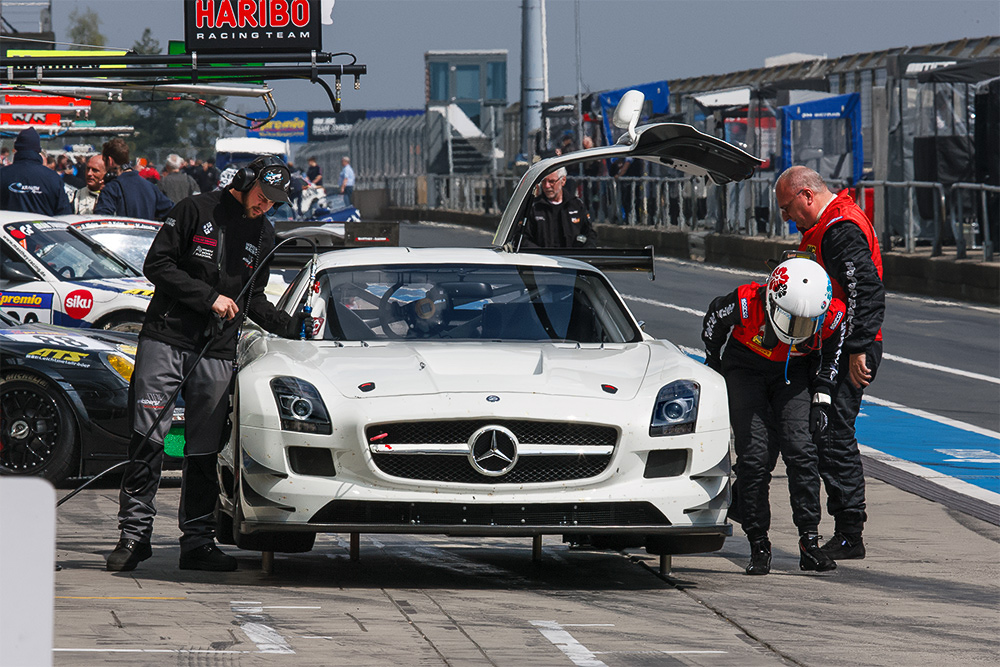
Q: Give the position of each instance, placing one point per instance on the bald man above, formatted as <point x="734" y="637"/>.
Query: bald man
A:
<point x="844" y="242"/>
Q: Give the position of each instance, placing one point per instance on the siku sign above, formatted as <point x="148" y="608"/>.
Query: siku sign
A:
<point x="237" y="26"/>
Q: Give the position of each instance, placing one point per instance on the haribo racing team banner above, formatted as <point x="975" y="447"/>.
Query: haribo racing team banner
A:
<point x="239" y="26"/>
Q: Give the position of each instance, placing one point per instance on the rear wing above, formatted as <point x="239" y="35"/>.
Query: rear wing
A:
<point x="605" y="259"/>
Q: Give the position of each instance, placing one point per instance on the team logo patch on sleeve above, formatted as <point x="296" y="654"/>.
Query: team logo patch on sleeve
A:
<point x="207" y="228"/>
<point x="744" y="308"/>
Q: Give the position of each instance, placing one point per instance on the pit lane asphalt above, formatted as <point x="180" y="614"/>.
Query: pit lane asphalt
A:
<point x="926" y="594"/>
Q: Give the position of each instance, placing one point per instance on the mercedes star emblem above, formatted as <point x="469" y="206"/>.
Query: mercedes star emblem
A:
<point x="493" y="450"/>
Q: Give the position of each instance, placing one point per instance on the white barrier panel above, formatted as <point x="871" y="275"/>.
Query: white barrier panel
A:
<point x="27" y="561"/>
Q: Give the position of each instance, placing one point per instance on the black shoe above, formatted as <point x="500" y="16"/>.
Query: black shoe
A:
<point x="845" y="546"/>
<point x="760" y="556"/>
<point x="128" y="554"/>
<point x="207" y="557"/>
<point x="811" y="557"/>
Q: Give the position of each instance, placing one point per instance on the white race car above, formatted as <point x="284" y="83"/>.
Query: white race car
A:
<point x="480" y="392"/>
<point x="55" y="275"/>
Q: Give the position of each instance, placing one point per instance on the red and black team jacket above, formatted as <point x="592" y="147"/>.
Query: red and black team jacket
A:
<point x="851" y="256"/>
<point x="740" y="318"/>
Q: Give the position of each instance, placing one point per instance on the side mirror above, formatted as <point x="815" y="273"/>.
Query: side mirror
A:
<point x="627" y="112"/>
<point x="16" y="272"/>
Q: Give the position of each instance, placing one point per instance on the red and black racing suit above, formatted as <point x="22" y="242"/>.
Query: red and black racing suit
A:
<point x="845" y="243"/>
<point x="770" y="386"/>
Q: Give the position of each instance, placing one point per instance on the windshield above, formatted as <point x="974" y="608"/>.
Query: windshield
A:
<point x="129" y="244"/>
<point x="67" y="254"/>
<point x="497" y="303"/>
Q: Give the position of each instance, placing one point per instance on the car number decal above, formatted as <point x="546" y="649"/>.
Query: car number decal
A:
<point x="58" y="340"/>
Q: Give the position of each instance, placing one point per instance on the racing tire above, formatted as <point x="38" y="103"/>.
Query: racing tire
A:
<point x="37" y="429"/>
<point x="125" y="322"/>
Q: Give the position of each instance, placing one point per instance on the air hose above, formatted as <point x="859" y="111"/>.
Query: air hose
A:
<point x="215" y="328"/>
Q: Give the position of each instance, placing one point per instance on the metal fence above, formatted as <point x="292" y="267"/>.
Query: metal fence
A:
<point x="691" y="204"/>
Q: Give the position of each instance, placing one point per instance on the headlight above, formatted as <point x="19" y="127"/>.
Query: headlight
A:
<point x="300" y="406"/>
<point x="676" y="409"/>
<point x="120" y="365"/>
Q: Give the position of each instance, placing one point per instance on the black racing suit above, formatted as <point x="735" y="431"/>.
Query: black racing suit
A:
<point x="206" y="247"/>
<point x="562" y="225"/>
<point x="769" y="404"/>
<point x="848" y="260"/>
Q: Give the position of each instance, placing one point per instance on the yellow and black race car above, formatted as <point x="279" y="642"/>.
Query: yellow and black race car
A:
<point x="64" y="400"/>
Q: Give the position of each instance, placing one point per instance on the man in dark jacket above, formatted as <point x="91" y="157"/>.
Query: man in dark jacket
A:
<point x="27" y="184"/>
<point x="129" y="194"/>
<point x="783" y="342"/>
<point x="844" y="242"/>
<point x="200" y="262"/>
<point x="557" y="219"/>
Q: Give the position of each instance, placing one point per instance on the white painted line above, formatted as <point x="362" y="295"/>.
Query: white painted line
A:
<point x="947" y="421"/>
<point x="579" y="654"/>
<point x="890" y="357"/>
<point x="266" y="638"/>
<point x="662" y="304"/>
<point x="941" y="479"/>
<point x="943" y="369"/>
<point x="140" y="650"/>
<point x="277" y="607"/>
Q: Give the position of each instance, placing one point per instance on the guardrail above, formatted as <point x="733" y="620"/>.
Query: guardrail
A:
<point x="689" y="204"/>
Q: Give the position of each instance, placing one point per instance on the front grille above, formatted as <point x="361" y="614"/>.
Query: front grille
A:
<point x="360" y="512"/>
<point x="527" y="432"/>
<point x="530" y="469"/>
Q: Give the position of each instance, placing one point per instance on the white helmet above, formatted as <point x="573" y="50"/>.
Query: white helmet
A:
<point x="798" y="296"/>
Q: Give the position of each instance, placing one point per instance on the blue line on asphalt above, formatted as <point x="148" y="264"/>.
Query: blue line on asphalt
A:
<point x="966" y="455"/>
<point x="956" y="452"/>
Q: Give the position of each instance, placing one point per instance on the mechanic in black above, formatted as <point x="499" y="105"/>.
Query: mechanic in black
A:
<point x="557" y="219"/>
<point x="27" y="184"/>
<point x="844" y="241"/>
<point x="782" y="345"/>
<point x="128" y="193"/>
<point x="200" y="261"/>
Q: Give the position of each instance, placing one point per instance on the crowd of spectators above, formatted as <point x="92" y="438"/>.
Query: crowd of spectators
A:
<point x="83" y="175"/>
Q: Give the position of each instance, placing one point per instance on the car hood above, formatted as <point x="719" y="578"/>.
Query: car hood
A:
<point x="402" y="369"/>
<point x="107" y="289"/>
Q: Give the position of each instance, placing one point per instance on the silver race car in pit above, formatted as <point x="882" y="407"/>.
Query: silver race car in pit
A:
<point x="483" y="391"/>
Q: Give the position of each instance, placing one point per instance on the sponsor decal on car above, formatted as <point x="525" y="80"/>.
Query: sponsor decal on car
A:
<point x="64" y="356"/>
<point x="25" y="299"/>
<point x="78" y="304"/>
<point x="148" y="293"/>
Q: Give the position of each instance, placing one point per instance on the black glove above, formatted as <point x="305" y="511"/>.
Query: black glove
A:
<point x="714" y="362"/>
<point x="819" y="415"/>
<point x="294" y="330"/>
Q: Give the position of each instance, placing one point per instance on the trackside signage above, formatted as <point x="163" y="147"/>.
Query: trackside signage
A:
<point x="237" y="26"/>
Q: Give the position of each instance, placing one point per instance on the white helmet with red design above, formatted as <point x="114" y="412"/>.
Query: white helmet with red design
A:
<point x="798" y="296"/>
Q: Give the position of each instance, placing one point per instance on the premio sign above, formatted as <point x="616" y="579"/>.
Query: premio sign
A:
<point x="236" y="26"/>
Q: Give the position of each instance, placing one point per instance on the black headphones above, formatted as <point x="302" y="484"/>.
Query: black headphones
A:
<point x="245" y="177"/>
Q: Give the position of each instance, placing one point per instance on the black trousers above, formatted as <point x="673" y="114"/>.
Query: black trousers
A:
<point x="839" y="457"/>
<point x="770" y="417"/>
<point x="159" y="368"/>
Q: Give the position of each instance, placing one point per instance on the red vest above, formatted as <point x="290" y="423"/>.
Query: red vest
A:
<point x="842" y="208"/>
<point x="753" y="317"/>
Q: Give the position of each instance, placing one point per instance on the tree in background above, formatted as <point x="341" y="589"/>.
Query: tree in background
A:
<point x="161" y="127"/>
